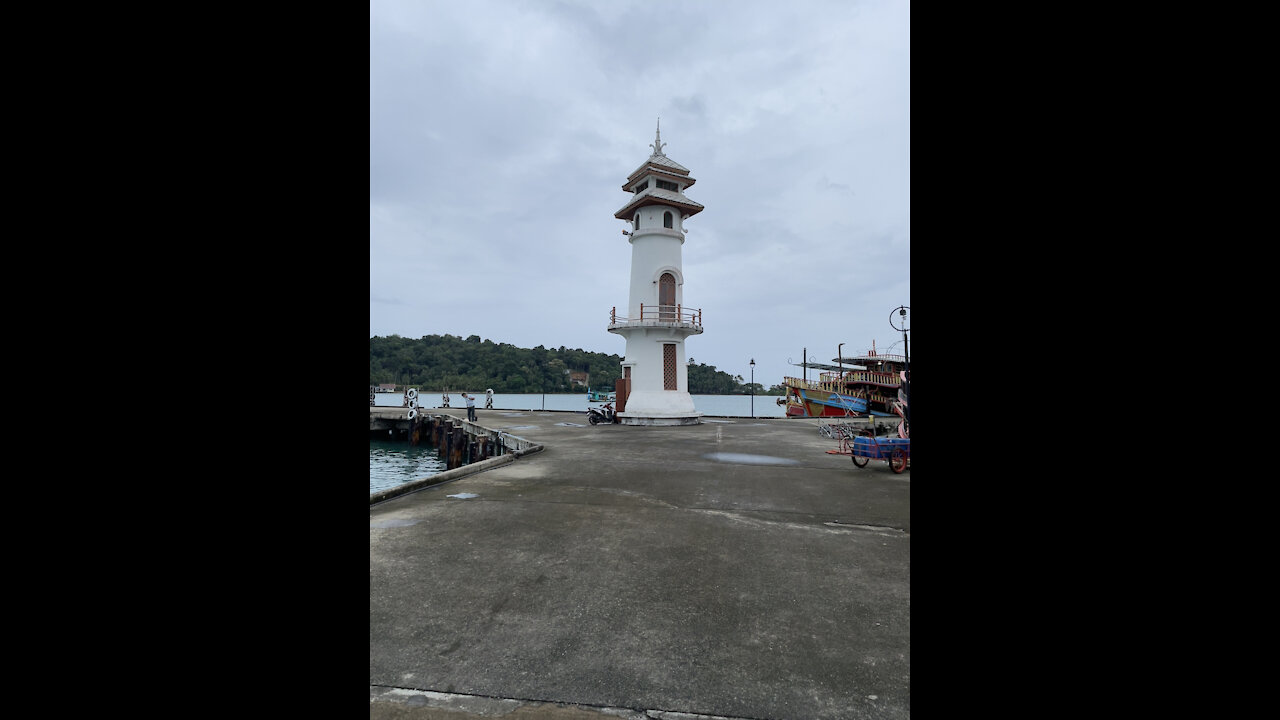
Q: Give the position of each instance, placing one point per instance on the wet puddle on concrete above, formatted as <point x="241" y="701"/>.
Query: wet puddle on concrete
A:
<point x="392" y="523"/>
<point x="748" y="459"/>
<point x="463" y="496"/>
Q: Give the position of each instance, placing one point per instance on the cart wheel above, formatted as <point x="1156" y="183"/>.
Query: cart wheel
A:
<point x="898" y="460"/>
<point x="861" y="461"/>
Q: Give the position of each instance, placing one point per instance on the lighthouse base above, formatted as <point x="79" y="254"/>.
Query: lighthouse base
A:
<point x="626" y="418"/>
<point x="659" y="407"/>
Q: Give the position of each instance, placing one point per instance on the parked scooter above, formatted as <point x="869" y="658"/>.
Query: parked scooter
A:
<point x="603" y="414"/>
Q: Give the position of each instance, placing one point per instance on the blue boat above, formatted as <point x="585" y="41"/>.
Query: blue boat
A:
<point x="823" y="403"/>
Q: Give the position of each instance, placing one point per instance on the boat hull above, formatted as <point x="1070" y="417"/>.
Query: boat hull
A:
<point x="821" y="403"/>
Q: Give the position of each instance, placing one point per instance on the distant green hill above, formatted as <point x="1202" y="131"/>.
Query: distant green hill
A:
<point x="435" y="362"/>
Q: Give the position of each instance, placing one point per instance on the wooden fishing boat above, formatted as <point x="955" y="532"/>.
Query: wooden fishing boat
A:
<point x="856" y="386"/>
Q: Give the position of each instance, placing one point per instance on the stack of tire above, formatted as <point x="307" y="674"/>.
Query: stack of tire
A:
<point x="411" y="399"/>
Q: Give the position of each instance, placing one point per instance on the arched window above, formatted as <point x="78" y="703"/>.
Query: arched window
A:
<point x="666" y="219"/>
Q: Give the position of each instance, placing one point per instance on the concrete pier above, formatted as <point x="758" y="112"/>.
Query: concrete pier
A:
<point x="730" y="569"/>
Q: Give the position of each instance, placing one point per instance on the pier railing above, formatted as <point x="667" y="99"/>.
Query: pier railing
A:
<point x="864" y="376"/>
<point x="830" y="382"/>
<point x="657" y="314"/>
<point x="875" y="355"/>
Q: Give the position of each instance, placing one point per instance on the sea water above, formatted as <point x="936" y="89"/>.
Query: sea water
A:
<point x="396" y="462"/>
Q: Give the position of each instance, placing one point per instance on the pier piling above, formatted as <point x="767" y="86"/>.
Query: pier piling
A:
<point x="457" y="443"/>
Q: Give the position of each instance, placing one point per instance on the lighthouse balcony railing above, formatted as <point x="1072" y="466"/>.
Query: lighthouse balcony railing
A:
<point x="659" y="316"/>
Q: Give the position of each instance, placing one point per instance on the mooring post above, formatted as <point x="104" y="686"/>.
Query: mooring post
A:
<point x="456" y="446"/>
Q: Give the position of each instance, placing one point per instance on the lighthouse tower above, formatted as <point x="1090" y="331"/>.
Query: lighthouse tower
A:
<point x="657" y="321"/>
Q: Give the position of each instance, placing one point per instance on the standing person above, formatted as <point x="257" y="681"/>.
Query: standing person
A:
<point x="471" y="406"/>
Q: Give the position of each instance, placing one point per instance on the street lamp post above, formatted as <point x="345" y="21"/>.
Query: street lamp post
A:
<point x="906" y="356"/>
<point x="753" y="388"/>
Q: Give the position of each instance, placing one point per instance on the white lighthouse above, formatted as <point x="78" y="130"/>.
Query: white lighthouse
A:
<point x="657" y="321"/>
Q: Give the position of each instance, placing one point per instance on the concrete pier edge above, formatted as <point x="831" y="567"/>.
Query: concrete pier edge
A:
<point x="465" y="706"/>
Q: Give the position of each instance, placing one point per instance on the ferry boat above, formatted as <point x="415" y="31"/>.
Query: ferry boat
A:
<point x="600" y="396"/>
<point x="863" y="385"/>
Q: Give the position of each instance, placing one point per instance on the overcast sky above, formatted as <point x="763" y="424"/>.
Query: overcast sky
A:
<point x="501" y="132"/>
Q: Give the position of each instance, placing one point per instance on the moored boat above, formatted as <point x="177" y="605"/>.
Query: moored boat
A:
<point x="856" y="386"/>
<point x="600" y="396"/>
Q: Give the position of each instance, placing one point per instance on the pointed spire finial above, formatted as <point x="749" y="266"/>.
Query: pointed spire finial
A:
<point x="657" y="143"/>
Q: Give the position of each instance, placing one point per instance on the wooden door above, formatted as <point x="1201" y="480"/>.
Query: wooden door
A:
<point x="667" y="297"/>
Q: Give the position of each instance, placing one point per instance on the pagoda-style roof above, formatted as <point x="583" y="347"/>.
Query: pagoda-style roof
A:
<point x="655" y="171"/>
<point x="661" y="166"/>
<point x="657" y="196"/>
<point x="661" y="163"/>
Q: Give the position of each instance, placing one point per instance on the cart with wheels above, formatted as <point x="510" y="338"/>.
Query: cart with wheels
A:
<point x="867" y="447"/>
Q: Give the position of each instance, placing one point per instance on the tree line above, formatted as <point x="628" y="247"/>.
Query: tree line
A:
<point x="436" y="362"/>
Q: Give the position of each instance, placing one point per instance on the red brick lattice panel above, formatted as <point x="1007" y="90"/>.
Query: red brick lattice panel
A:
<point x="668" y="367"/>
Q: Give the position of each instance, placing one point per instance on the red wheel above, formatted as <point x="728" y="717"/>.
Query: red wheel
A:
<point x="898" y="460"/>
